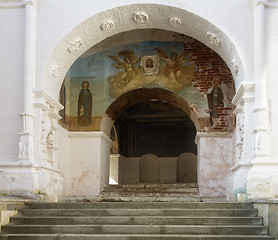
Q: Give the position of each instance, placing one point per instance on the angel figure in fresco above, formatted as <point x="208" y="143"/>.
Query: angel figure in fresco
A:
<point x="174" y="63"/>
<point x="130" y="59"/>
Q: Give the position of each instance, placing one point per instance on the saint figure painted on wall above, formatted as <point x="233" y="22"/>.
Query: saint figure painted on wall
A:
<point x="85" y="105"/>
<point x="215" y="99"/>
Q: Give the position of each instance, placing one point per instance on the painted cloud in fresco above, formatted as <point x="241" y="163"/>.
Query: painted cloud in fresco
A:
<point x="174" y="72"/>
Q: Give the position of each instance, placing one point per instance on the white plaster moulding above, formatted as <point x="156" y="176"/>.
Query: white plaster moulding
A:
<point x="11" y="4"/>
<point x="48" y="168"/>
<point x="51" y="100"/>
<point x="22" y="164"/>
<point x="89" y="135"/>
<point x="241" y="165"/>
<point x="267" y="3"/>
<point x="30" y="2"/>
<point x="18" y="4"/>
<point x="246" y="87"/>
<point x="272" y="4"/>
<point x="264" y="162"/>
<point x="25" y="164"/>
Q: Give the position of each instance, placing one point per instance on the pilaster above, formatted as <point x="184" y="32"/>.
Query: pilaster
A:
<point x="262" y="182"/>
<point x="244" y="138"/>
<point x="261" y="111"/>
<point x="47" y="116"/>
<point x="26" y="136"/>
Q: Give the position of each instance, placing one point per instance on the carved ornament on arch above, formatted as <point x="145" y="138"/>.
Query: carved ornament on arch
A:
<point x="174" y="21"/>
<point x="75" y="45"/>
<point x="213" y="39"/>
<point x="56" y="71"/>
<point x="140" y="17"/>
<point x="106" y="25"/>
<point x="235" y="66"/>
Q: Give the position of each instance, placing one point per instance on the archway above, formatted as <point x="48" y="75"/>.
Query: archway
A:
<point x="153" y="128"/>
<point x="112" y="113"/>
<point x="83" y="37"/>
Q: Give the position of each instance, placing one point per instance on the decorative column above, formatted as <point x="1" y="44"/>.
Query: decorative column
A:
<point x="262" y="182"/>
<point x="261" y="107"/>
<point x="49" y="178"/>
<point x="244" y="139"/>
<point x="29" y="78"/>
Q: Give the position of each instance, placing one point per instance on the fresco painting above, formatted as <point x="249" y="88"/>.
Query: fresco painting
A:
<point x="174" y="72"/>
<point x="94" y="81"/>
<point x="215" y="100"/>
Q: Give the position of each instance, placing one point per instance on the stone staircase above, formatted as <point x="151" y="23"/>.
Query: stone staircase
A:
<point x="136" y="221"/>
<point x="8" y="209"/>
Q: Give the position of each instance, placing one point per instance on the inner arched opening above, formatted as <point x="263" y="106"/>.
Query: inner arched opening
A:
<point x="151" y="137"/>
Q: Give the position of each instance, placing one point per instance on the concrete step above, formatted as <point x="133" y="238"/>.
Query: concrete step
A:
<point x="139" y="220"/>
<point x="130" y="237"/>
<point x="148" y="194"/>
<point x="140" y="205"/>
<point x="139" y="212"/>
<point x="136" y="229"/>
<point x="135" y="198"/>
<point x="151" y="188"/>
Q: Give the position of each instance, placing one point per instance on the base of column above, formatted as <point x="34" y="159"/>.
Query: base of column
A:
<point x="22" y="179"/>
<point x="237" y="181"/>
<point x="262" y="181"/>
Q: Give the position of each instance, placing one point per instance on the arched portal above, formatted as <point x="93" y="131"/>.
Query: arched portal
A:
<point x="204" y="65"/>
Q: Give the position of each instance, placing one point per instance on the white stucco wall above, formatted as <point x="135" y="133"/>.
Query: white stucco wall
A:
<point x="88" y="162"/>
<point x="215" y="154"/>
<point x="11" y="71"/>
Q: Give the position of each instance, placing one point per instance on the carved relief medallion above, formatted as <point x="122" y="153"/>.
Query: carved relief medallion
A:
<point x="213" y="39"/>
<point x="107" y="25"/>
<point x="175" y="21"/>
<point x="140" y="17"/>
<point x="74" y="46"/>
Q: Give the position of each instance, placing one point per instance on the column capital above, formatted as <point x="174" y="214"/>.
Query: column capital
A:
<point x="260" y="2"/>
<point x="245" y="92"/>
<point x="30" y="2"/>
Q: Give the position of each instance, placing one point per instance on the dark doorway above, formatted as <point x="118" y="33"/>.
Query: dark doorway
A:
<point x="155" y="127"/>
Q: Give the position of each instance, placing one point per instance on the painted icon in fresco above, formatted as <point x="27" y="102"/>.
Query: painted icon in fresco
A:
<point x="127" y="65"/>
<point x="174" y="64"/>
<point x="215" y="100"/>
<point x="84" y="105"/>
<point x="150" y="65"/>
